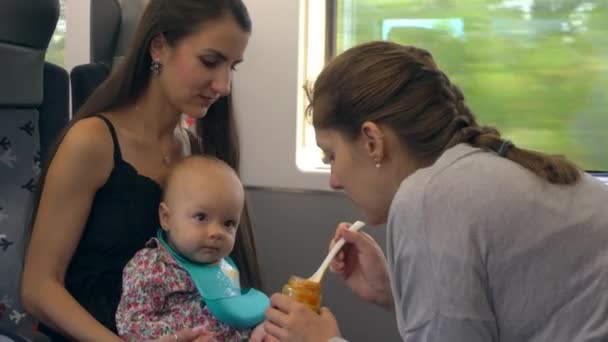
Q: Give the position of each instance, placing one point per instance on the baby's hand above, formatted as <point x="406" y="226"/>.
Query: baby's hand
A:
<point x="198" y="334"/>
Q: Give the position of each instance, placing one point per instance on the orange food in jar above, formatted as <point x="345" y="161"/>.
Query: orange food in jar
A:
<point x="304" y="291"/>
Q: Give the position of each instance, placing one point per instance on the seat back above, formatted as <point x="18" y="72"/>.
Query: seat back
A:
<point x="105" y="27"/>
<point x="54" y="113"/>
<point x="26" y="28"/>
<point x="106" y="23"/>
<point x="84" y="80"/>
<point x="131" y="12"/>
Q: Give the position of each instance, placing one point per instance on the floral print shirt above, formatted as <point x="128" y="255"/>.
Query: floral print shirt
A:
<point x="159" y="298"/>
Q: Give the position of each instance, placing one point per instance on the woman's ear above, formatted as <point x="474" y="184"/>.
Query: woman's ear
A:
<point x="373" y="138"/>
<point x="164" y="215"/>
<point x="158" y="47"/>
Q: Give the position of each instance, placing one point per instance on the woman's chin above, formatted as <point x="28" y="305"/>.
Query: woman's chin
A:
<point x="373" y="219"/>
<point x="376" y="222"/>
<point x="198" y="113"/>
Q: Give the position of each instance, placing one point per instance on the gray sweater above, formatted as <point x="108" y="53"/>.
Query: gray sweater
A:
<point x="481" y="249"/>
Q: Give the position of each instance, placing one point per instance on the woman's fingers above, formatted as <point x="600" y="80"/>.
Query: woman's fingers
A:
<point x="337" y="264"/>
<point x="274" y="331"/>
<point x="341" y="226"/>
<point x="276" y="317"/>
<point x="280" y="308"/>
<point x="363" y="242"/>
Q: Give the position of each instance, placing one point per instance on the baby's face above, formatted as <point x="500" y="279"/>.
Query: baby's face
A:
<point x="201" y="212"/>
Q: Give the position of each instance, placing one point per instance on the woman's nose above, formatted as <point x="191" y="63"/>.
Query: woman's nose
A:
<point x="222" y="82"/>
<point x="333" y="181"/>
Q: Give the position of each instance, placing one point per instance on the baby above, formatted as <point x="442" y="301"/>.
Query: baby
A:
<point x="184" y="278"/>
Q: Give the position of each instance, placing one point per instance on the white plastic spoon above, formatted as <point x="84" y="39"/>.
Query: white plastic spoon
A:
<point x="318" y="276"/>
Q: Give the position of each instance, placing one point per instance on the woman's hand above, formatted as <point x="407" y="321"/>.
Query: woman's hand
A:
<point x="198" y="334"/>
<point x="258" y="334"/>
<point x="362" y="266"/>
<point x="290" y="321"/>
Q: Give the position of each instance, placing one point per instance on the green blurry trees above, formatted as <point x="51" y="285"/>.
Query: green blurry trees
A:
<point x="536" y="69"/>
<point x="56" y="51"/>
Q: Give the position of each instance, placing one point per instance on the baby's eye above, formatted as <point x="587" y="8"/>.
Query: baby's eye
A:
<point x="200" y="216"/>
<point x="230" y="224"/>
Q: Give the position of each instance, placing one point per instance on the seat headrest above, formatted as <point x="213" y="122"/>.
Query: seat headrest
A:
<point x="28" y="23"/>
<point x="26" y="28"/>
<point x="105" y="28"/>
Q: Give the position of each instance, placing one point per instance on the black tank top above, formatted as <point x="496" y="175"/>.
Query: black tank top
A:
<point x="124" y="215"/>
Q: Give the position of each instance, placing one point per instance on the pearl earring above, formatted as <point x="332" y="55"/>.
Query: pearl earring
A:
<point x="156" y="67"/>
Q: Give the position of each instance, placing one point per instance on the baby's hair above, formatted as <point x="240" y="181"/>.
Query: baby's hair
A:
<point x="190" y="160"/>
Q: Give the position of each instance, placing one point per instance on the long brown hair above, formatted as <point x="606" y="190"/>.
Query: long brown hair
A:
<point x="216" y="133"/>
<point x="402" y="87"/>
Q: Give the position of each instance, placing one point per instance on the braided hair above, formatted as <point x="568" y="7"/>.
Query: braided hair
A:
<point x="403" y="88"/>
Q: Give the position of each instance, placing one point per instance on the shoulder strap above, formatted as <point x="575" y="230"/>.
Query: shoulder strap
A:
<point x="117" y="154"/>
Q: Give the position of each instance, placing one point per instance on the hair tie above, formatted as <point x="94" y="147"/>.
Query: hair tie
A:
<point x="504" y="148"/>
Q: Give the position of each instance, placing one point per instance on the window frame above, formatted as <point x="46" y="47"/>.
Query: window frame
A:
<point x="317" y="45"/>
<point x="330" y="48"/>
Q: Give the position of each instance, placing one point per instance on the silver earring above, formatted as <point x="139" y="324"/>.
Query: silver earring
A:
<point x="156" y="67"/>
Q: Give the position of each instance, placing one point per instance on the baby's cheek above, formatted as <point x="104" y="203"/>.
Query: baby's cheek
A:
<point x="231" y="246"/>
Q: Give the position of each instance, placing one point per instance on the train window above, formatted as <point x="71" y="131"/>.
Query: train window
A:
<point x="56" y="51"/>
<point x="538" y="70"/>
<point x="314" y="38"/>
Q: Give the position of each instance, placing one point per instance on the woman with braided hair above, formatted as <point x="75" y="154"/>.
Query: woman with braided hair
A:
<point x="486" y="241"/>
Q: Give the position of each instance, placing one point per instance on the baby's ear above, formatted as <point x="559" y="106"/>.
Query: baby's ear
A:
<point x="163" y="215"/>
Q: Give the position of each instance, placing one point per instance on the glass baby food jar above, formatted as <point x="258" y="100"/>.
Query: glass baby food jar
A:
<point x="304" y="291"/>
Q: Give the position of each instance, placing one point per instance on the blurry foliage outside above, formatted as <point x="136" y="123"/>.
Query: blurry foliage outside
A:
<point x="56" y="51"/>
<point x="536" y="69"/>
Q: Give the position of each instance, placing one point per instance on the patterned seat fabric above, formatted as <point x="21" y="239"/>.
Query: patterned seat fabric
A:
<point x="32" y="93"/>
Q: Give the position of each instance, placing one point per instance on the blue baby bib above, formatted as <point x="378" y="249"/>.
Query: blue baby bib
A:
<point x="219" y="286"/>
